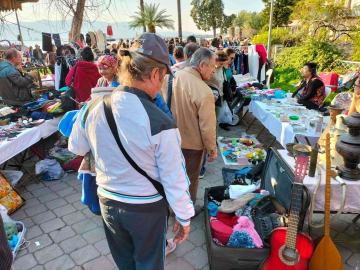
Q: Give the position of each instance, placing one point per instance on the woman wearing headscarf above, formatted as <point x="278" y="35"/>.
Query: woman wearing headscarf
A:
<point x="108" y="68"/>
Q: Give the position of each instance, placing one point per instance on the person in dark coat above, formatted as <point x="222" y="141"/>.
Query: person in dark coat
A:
<point x="39" y="55"/>
<point x="14" y="86"/>
<point x="6" y="256"/>
<point x="311" y="91"/>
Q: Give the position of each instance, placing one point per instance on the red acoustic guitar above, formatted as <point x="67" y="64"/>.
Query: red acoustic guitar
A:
<point x="291" y="249"/>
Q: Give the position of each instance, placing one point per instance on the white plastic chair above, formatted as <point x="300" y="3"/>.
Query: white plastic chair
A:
<point x="327" y="91"/>
<point x="269" y="73"/>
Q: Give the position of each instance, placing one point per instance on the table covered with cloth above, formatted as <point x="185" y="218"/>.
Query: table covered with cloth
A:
<point x="352" y="203"/>
<point x="27" y="138"/>
<point x="282" y="131"/>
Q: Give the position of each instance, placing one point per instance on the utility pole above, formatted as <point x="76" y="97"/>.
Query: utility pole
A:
<point x="17" y="19"/>
<point x="270" y="29"/>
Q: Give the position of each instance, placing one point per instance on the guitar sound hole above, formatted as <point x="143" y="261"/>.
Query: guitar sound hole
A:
<point x="289" y="256"/>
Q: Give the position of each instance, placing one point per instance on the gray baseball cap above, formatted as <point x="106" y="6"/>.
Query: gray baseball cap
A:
<point x="154" y="47"/>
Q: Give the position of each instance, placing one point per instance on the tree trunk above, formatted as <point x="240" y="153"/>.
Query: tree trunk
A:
<point x="151" y="28"/>
<point x="232" y="32"/>
<point x="142" y="11"/>
<point x="179" y="20"/>
<point x="214" y="28"/>
<point x="77" y="21"/>
<point x="240" y="33"/>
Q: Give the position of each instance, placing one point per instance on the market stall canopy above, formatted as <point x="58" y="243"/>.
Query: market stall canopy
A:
<point x="7" y="5"/>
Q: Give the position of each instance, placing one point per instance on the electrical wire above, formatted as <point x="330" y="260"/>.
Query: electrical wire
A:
<point x="31" y="29"/>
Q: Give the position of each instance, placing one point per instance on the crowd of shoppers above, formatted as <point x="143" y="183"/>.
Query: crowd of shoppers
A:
<point x="148" y="138"/>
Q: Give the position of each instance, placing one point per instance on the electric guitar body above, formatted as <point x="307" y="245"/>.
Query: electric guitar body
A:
<point x="278" y="259"/>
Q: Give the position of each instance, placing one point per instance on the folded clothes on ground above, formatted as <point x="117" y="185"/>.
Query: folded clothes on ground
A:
<point x="257" y="197"/>
<point x="241" y="239"/>
<point x="228" y="219"/>
<point x="40" y="115"/>
<point x="245" y="211"/>
<point x="245" y="225"/>
<point x="231" y="206"/>
<point x="216" y="241"/>
<point x="218" y="194"/>
<point x="236" y="191"/>
<point x="34" y="105"/>
<point x="64" y="156"/>
<point x="213" y="209"/>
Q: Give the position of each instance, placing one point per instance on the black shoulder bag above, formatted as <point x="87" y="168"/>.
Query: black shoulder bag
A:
<point x="227" y="89"/>
<point x="67" y="100"/>
<point x="169" y="94"/>
<point x="112" y="124"/>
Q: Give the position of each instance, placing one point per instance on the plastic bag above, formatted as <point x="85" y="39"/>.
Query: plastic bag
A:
<point x="4" y="214"/>
<point x="50" y="169"/>
<point x="225" y="114"/>
<point x="13" y="176"/>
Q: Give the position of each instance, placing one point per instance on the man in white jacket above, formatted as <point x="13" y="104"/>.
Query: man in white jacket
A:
<point x="134" y="212"/>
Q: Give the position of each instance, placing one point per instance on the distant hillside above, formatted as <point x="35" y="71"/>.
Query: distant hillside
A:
<point x="120" y="30"/>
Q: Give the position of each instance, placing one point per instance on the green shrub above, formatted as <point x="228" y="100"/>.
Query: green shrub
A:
<point x="330" y="98"/>
<point x="284" y="78"/>
<point x="322" y="53"/>
<point x="279" y="36"/>
<point x="356" y="48"/>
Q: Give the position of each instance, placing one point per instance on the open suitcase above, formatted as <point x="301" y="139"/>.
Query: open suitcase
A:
<point x="277" y="178"/>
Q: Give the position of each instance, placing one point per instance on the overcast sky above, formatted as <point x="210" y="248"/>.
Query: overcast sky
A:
<point x="123" y="9"/>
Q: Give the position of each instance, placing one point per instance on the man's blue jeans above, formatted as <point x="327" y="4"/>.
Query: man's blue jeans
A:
<point x="42" y="62"/>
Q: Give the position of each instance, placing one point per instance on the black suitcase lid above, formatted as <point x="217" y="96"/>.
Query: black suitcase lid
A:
<point x="278" y="177"/>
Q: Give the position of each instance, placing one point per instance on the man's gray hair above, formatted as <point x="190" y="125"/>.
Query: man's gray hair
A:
<point x="202" y="54"/>
<point x="202" y="40"/>
<point x="11" y="53"/>
<point x="190" y="49"/>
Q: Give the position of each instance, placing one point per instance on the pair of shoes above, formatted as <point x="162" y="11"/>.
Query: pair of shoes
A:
<point x="198" y="210"/>
<point x="201" y="176"/>
<point x="224" y="126"/>
<point x="170" y="247"/>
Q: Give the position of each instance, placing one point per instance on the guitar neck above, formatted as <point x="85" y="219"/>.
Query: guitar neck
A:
<point x="296" y="201"/>
<point x="327" y="187"/>
<point x="295" y="209"/>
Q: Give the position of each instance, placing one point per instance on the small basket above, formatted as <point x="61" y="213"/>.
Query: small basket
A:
<point x="21" y="236"/>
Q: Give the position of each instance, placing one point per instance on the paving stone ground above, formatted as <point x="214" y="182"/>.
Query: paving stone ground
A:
<point x="71" y="237"/>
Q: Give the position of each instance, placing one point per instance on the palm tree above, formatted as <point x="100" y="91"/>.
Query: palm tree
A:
<point x="142" y="10"/>
<point x="179" y="20"/>
<point x="151" y="18"/>
<point x="241" y="21"/>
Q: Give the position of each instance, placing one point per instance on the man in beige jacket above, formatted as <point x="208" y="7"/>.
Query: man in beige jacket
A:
<point x="193" y="107"/>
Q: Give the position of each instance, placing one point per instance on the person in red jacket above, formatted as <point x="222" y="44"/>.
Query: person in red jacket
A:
<point x="86" y="75"/>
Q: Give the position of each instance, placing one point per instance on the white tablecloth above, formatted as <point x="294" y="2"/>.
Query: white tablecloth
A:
<point x="283" y="131"/>
<point x="352" y="203"/>
<point x="27" y="138"/>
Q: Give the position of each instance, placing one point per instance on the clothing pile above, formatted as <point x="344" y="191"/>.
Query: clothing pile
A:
<point x="61" y="153"/>
<point x="230" y="211"/>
